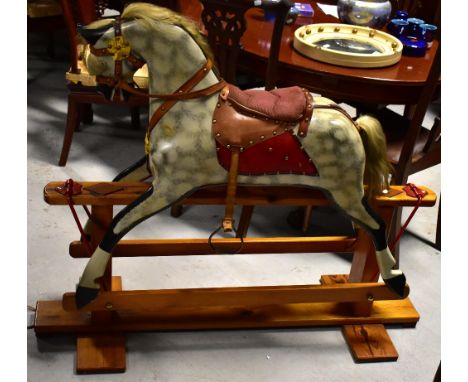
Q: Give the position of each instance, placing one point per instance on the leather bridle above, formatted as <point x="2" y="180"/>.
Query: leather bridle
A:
<point x="120" y="50"/>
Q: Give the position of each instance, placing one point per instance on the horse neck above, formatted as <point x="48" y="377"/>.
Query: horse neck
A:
<point x="173" y="57"/>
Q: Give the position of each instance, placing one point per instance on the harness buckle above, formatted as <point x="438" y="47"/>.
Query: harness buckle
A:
<point x="119" y="48"/>
<point x="147" y="145"/>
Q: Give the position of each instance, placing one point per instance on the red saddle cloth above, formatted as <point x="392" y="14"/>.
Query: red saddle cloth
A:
<point x="278" y="154"/>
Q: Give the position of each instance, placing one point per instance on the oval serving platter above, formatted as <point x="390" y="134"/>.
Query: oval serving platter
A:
<point x="348" y="45"/>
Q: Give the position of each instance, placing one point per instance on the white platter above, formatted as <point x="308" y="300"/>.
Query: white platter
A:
<point x="348" y="45"/>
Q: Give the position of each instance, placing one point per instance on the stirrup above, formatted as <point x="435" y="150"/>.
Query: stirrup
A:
<point x="225" y="252"/>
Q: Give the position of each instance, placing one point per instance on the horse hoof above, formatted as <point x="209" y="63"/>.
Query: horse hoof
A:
<point x="397" y="284"/>
<point x="84" y="296"/>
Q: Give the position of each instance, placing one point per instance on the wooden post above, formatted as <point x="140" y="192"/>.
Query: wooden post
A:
<point x="104" y="352"/>
<point x="371" y="342"/>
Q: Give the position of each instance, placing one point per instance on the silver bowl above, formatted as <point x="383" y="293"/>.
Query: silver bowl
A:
<point x="365" y="13"/>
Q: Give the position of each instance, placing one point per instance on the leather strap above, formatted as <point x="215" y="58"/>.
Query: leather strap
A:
<point x="182" y="93"/>
<point x="182" y="90"/>
<point x="304" y="124"/>
<point x="177" y="96"/>
<point x="134" y="60"/>
<point x="228" y="220"/>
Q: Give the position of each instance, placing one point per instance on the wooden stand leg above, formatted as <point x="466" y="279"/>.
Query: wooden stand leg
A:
<point x="102" y="353"/>
<point x="370" y="342"/>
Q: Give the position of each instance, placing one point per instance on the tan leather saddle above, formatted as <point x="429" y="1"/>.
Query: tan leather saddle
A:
<point x="244" y="119"/>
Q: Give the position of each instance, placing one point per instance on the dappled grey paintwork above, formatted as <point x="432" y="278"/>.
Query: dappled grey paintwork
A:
<point x="183" y="151"/>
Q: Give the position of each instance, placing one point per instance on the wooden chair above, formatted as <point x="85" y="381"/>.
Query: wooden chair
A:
<point x="225" y="24"/>
<point x="83" y="92"/>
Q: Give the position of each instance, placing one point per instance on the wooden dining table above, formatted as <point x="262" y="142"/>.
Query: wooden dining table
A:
<point x="411" y="82"/>
<point x="401" y="83"/>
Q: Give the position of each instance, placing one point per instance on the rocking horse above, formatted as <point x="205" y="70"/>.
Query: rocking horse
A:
<point x="204" y="132"/>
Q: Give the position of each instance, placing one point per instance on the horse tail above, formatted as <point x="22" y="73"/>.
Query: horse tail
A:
<point x="377" y="167"/>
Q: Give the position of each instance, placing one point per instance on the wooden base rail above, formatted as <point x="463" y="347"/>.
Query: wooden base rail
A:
<point x="126" y="192"/>
<point x="355" y="301"/>
<point x="156" y="300"/>
<point x="188" y="247"/>
<point x="134" y="314"/>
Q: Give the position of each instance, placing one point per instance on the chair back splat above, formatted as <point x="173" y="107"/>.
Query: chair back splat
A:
<point x="225" y="24"/>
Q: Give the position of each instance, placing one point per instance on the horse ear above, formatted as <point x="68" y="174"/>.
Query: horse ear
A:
<point x="92" y="35"/>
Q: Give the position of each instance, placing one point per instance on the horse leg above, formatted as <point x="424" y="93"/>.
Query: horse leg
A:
<point x="137" y="172"/>
<point x="364" y="215"/>
<point x="148" y="204"/>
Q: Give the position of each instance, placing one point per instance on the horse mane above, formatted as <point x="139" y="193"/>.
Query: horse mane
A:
<point x="149" y="13"/>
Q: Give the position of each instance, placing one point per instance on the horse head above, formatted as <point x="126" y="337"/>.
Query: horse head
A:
<point x="109" y="56"/>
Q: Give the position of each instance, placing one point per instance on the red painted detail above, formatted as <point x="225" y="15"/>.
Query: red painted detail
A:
<point x="414" y="191"/>
<point x="282" y="154"/>
<point x="69" y="188"/>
